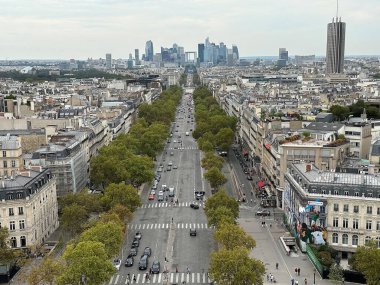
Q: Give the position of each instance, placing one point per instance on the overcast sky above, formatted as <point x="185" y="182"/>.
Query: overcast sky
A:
<point x="63" y="29"/>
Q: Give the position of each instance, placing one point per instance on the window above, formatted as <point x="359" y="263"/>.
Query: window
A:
<point x="367" y="239"/>
<point x="21" y="224"/>
<point x="334" y="238"/>
<point x="12" y="225"/>
<point x="13" y="163"/>
<point x="322" y="209"/>
<point x="378" y="210"/>
<point x="11" y="213"/>
<point x="5" y="163"/>
<point x="345" y="238"/>
<point x="21" y="210"/>
<point x="368" y="225"/>
<point x="336" y="207"/>
<point x="356" y="209"/>
<point x="324" y="192"/>
<point x="335" y="222"/>
<point x="355" y="240"/>
<point x="369" y="195"/>
<point x="23" y="241"/>
<point x="336" y="192"/>
<point x="4" y="153"/>
<point x="345" y="193"/>
<point x="345" y="207"/>
<point x="356" y="194"/>
<point x="13" y="242"/>
<point x="369" y="209"/>
<point x="378" y="225"/>
<point x="355" y="224"/>
<point x="345" y="223"/>
<point x="378" y="242"/>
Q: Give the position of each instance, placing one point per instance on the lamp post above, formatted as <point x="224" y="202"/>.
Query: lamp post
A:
<point x="314" y="276"/>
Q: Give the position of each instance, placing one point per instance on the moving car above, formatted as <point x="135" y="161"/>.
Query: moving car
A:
<point x="133" y="251"/>
<point x="143" y="263"/>
<point x="151" y="197"/>
<point x="171" y="153"/>
<point x="175" y="166"/>
<point x="193" y="232"/>
<point x="148" y="251"/>
<point x="169" y="168"/>
<point x="136" y="243"/>
<point x="170" y="163"/>
<point x="116" y="263"/>
<point x="160" y="197"/>
<point x="155" y="269"/>
<point x="138" y="235"/>
<point x="194" y="205"/>
<point x="129" y="261"/>
<point x="199" y="195"/>
<point x="171" y="192"/>
<point x="262" y="213"/>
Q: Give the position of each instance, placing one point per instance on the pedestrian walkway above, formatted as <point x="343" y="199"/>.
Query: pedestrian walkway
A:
<point x="167" y="226"/>
<point x="176" y="278"/>
<point x="167" y="205"/>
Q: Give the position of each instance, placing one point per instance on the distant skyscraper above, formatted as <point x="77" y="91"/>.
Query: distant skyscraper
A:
<point x="222" y="52"/>
<point x="283" y="54"/>
<point x="201" y="52"/>
<point x="230" y="57"/>
<point x="137" y="56"/>
<point x="235" y="52"/>
<point x="149" y="51"/>
<point x="108" y="60"/>
<point x="336" y="33"/>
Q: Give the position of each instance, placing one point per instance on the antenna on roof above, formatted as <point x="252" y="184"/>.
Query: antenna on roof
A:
<point x="337" y="9"/>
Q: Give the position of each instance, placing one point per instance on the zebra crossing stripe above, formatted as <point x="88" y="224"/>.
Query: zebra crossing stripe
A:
<point x="117" y="278"/>
<point x="198" y="277"/>
<point x="171" y="277"/>
<point x="111" y="280"/>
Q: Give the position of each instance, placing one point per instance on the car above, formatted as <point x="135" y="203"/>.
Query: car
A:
<point x="116" y="263"/>
<point x="262" y="213"/>
<point x="151" y="197"/>
<point x="168" y="141"/>
<point x="135" y="243"/>
<point x="153" y="191"/>
<point x="176" y="131"/>
<point x="143" y="263"/>
<point x="175" y="166"/>
<point x="171" y="191"/>
<point x="138" y="235"/>
<point x="164" y="188"/>
<point x="155" y="269"/>
<point x="170" y="163"/>
<point x="148" y="251"/>
<point x="160" y="192"/>
<point x="174" y="141"/>
<point x="193" y="232"/>
<point x="169" y="168"/>
<point x="199" y="195"/>
<point x="194" y="205"/>
<point x="133" y="251"/>
<point x="171" y="153"/>
<point x="160" y="198"/>
<point x="159" y="169"/>
<point x="249" y="177"/>
<point x="129" y="261"/>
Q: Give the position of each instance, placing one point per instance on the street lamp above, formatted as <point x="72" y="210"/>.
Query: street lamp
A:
<point x="314" y="275"/>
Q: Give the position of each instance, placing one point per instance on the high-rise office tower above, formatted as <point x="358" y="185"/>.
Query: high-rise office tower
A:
<point x="235" y="52"/>
<point x="149" y="51"/>
<point x="108" y="60"/>
<point x="336" y="33"/>
<point x="201" y="50"/>
<point x="283" y="54"/>
<point x="222" y="52"/>
<point x="230" y="57"/>
<point x="137" y="56"/>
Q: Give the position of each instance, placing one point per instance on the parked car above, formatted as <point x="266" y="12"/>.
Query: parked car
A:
<point x="169" y="168"/>
<point x="143" y="263"/>
<point x="262" y="213"/>
<point x="117" y="263"/>
<point x="249" y="177"/>
<point x="138" y="235"/>
<point x="133" y="251"/>
<point x="193" y="232"/>
<point x="148" y="251"/>
<point x="194" y="205"/>
<point x="175" y="166"/>
<point x="129" y="261"/>
<point x="151" y="197"/>
<point x="136" y="243"/>
<point x="155" y="269"/>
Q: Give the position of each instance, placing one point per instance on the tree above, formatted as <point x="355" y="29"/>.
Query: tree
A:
<point x="110" y="234"/>
<point x="46" y="272"/>
<point x="220" y="215"/>
<point x="235" y="267"/>
<point x="336" y="273"/>
<point x="125" y="195"/>
<point x="221" y="199"/>
<point x="211" y="160"/>
<point x="124" y="214"/>
<point x="89" y="201"/>
<point x="87" y="259"/>
<point x="232" y="236"/>
<point x="6" y="253"/>
<point x="224" y="138"/>
<point x="74" y="217"/>
<point x="367" y="261"/>
<point x="215" y="177"/>
<point x="340" y="112"/>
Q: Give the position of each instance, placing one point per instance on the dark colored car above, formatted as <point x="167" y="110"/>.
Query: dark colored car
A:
<point x="133" y="251"/>
<point x="193" y="232"/>
<point x="143" y="263"/>
<point x="129" y="261"/>
<point x="148" y="251"/>
<point x="136" y="243"/>
<point x="155" y="269"/>
<point x="249" y="177"/>
<point x="194" y="205"/>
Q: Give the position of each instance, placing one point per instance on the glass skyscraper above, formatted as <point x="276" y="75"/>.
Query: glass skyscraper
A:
<point x="149" y="51"/>
<point x="336" y="33"/>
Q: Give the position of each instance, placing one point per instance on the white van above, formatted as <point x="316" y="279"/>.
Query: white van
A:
<point x="187" y="133"/>
<point x="171" y="192"/>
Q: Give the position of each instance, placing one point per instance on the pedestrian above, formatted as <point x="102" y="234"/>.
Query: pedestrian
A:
<point x="134" y="278"/>
<point x="271" y="278"/>
<point x="176" y="269"/>
<point x="305" y="281"/>
<point x="188" y="270"/>
<point x="296" y="282"/>
<point x="299" y="270"/>
<point x="292" y="280"/>
<point x="251" y="201"/>
<point x="296" y="270"/>
<point x="172" y="220"/>
<point x="342" y="280"/>
<point x="276" y="265"/>
<point x="166" y="259"/>
<point x="267" y="277"/>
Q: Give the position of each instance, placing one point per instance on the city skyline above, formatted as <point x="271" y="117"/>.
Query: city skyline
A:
<point x="90" y="28"/>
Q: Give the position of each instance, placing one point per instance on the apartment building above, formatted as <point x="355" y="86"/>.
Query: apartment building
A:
<point x="29" y="207"/>
<point x="358" y="132"/>
<point x="347" y="205"/>
<point x="11" y="155"/>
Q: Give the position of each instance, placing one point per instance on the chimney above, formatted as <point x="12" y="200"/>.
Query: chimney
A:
<point x="308" y="167"/>
<point x="36" y="168"/>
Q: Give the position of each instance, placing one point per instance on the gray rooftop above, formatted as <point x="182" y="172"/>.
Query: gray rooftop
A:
<point x="321" y="126"/>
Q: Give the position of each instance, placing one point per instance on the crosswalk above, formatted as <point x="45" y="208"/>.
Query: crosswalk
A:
<point x="168" y="205"/>
<point x="176" y="278"/>
<point x="165" y="226"/>
<point x="182" y="148"/>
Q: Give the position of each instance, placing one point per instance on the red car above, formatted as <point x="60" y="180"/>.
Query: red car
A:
<point x="151" y="197"/>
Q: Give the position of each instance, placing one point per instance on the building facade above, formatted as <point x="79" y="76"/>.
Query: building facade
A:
<point x="336" y="34"/>
<point x="149" y="51"/>
<point x="29" y="207"/>
<point x="108" y="61"/>
<point x="10" y="156"/>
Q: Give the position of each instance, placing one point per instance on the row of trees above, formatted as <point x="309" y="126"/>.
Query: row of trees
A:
<point x="343" y="112"/>
<point x="214" y="130"/>
<point x="231" y="264"/>
<point x="97" y="222"/>
<point x="129" y="157"/>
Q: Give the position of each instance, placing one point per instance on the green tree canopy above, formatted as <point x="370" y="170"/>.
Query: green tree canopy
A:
<point x="73" y="218"/>
<point x="125" y="195"/>
<point x="211" y="160"/>
<point x="336" y="273"/>
<point x="340" y="112"/>
<point x="235" y="267"/>
<point x="367" y="261"/>
<point x="6" y="253"/>
<point x="88" y="258"/>
<point x="215" y="177"/>
<point x="89" y="201"/>
<point x="46" y="272"/>
<point x="232" y="236"/>
<point x="224" y="138"/>
<point x="219" y="215"/>
<point x="110" y="234"/>
<point x="221" y="199"/>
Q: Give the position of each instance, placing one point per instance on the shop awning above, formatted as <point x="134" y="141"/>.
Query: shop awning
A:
<point x="245" y="151"/>
<point x="261" y="184"/>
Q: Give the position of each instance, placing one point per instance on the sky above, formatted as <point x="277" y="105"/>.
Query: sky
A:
<point x="79" y="29"/>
